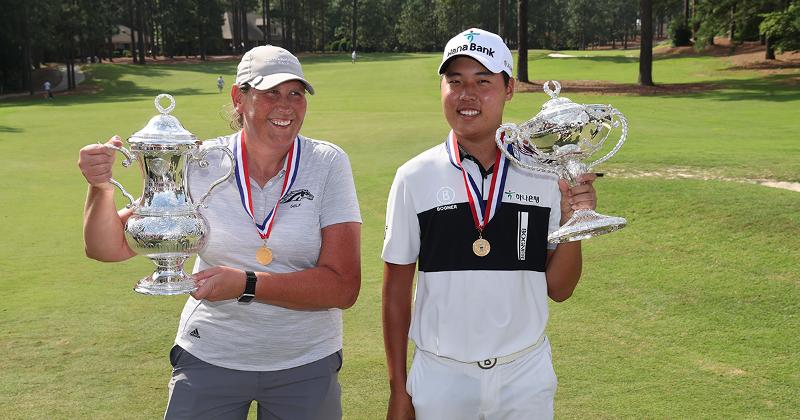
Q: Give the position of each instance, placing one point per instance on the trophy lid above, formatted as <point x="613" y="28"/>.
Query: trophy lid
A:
<point x="560" y="112"/>
<point x="163" y="129"/>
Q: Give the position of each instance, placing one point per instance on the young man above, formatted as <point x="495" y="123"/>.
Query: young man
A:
<point x="477" y="226"/>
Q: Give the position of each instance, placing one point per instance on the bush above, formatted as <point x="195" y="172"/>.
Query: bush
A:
<point x="679" y="33"/>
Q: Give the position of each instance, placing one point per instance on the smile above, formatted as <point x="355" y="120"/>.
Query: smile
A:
<point x="280" y="123"/>
<point x="469" y="112"/>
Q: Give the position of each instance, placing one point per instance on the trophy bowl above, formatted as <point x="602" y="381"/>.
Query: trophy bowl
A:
<point x="560" y="140"/>
<point x="166" y="225"/>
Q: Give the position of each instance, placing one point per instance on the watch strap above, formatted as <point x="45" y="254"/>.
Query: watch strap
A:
<point x="249" y="287"/>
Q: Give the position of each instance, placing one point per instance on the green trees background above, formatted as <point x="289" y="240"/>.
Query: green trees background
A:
<point x="69" y="31"/>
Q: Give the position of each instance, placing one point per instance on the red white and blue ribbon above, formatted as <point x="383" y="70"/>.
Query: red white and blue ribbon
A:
<point x="483" y="211"/>
<point x="290" y="170"/>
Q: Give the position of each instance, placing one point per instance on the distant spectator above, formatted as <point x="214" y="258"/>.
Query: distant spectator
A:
<point x="220" y="84"/>
<point x="48" y="89"/>
<point x="353" y="56"/>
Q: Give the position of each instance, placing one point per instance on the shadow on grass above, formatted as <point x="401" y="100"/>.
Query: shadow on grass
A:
<point x="107" y="84"/>
<point x="772" y="88"/>
<point x="6" y="129"/>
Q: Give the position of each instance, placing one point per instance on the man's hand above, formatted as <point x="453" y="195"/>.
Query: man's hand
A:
<point x="400" y="406"/>
<point x="219" y="283"/>
<point x="581" y="196"/>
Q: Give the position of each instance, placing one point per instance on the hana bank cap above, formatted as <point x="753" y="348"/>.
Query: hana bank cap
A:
<point x="484" y="46"/>
<point x="267" y="66"/>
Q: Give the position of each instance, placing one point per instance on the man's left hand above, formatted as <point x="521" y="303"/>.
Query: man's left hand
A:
<point x="581" y="196"/>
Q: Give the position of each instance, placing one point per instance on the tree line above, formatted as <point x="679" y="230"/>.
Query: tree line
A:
<point x="74" y="31"/>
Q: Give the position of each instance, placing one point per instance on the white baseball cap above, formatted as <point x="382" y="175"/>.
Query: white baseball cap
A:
<point x="484" y="46"/>
<point x="267" y="66"/>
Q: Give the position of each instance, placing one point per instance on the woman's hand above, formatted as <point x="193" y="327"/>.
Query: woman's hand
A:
<point x="219" y="283"/>
<point x="95" y="162"/>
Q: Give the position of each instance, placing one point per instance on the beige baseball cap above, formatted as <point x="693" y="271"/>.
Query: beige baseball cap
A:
<point x="267" y="66"/>
<point x="484" y="46"/>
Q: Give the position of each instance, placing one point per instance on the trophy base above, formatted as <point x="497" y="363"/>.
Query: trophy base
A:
<point x="168" y="279"/>
<point x="586" y="224"/>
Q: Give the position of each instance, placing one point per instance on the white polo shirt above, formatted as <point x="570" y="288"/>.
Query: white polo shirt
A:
<point x="259" y="336"/>
<point x="471" y="308"/>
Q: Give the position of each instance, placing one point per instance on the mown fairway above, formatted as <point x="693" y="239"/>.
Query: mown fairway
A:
<point x="689" y="312"/>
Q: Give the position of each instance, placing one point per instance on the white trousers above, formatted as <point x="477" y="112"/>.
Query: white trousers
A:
<point x="442" y="388"/>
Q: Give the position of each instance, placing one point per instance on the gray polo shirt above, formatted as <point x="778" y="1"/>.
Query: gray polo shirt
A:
<point x="259" y="336"/>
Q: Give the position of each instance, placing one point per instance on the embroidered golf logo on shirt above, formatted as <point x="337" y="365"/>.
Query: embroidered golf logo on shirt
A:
<point x="195" y="333"/>
<point x="528" y="198"/>
<point x="445" y="196"/>
<point x="297" y="195"/>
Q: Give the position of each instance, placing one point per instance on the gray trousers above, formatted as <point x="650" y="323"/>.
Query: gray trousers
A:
<point x="199" y="390"/>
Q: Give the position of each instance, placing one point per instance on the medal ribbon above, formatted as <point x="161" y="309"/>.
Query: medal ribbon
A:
<point x="483" y="212"/>
<point x="290" y="169"/>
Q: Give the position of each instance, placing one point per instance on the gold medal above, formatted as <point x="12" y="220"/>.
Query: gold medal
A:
<point x="264" y="255"/>
<point x="481" y="247"/>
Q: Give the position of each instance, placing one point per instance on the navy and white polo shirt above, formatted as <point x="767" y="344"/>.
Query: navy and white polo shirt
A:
<point x="472" y="308"/>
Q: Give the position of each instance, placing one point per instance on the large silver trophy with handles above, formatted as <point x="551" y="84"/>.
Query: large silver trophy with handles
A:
<point x="166" y="225"/>
<point x="560" y="139"/>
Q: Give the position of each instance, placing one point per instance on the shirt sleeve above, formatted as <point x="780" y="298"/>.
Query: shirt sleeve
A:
<point x="339" y="200"/>
<point x="401" y="239"/>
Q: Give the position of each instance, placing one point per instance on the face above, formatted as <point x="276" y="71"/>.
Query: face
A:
<point x="473" y="98"/>
<point x="275" y="114"/>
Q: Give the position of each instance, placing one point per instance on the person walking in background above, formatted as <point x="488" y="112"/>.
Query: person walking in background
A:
<point x="353" y="56"/>
<point x="477" y="226"/>
<point x="220" y="84"/>
<point x="265" y="323"/>
<point x="48" y="89"/>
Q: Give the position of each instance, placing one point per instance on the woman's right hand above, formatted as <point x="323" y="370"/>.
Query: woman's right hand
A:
<point x="96" y="161"/>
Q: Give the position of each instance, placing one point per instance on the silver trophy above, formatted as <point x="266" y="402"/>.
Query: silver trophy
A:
<point x="166" y="225"/>
<point x="559" y="140"/>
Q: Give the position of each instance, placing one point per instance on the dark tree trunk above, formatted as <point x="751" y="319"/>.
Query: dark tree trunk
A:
<point x="733" y="23"/>
<point x="245" y="27"/>
<point x="353" y="39"/>
<point x="132" y="20"/>
<point x="140" y="32"/>
<point x="265" y="18"/>
<point x="522" y="40"/>
<point x="686" y="13"/>
<point x="27" y="73"/>
<point x="283" y="23"/>
<point x="290" y="33"/>
<point x="646" y="48"/>
<point x="770" y="52"/>
<point x="502" y="13"/>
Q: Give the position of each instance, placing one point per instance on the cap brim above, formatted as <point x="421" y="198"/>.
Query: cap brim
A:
<point x="273" y="80"/>
<point x="477" y="57"/>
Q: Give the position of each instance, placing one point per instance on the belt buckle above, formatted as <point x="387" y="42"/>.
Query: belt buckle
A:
<point x="487" y="364"/>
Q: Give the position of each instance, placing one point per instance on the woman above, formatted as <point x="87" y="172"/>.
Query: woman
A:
<point x="281" y="262"/>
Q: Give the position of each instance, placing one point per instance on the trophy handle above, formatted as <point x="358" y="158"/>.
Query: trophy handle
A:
<point x="202" y="162"/>
<point x="129" y="158"/>
<point x="508" y="135"/>
<point x="620" y="119"/>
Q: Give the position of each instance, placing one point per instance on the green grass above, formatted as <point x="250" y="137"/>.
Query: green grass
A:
<point x="690" y="312"/>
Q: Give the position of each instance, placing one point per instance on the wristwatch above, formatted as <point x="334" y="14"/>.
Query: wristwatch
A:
<point x="249" y="287"/>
